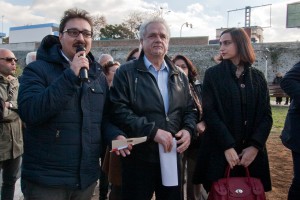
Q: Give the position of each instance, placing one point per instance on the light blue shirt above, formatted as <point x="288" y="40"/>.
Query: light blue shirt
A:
<point x="161" y="77"/>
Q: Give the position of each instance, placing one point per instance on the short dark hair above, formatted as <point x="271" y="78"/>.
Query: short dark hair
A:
<point x="72" y="14"/>
<point x="243" y="43"/>
<point x="192" y="69"/>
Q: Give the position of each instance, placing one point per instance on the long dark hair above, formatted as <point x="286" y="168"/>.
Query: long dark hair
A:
<point x="192" y="75"/>
<point x="243" y="43"/>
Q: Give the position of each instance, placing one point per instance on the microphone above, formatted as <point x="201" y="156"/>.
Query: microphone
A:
<point x="83" y="73"/>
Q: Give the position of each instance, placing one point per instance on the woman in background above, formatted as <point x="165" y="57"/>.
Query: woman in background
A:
<point x="194" y="192"/>
<point x="237" y="112"/>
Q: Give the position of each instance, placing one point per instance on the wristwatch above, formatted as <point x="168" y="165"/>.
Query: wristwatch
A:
<point x="10" y="105"/>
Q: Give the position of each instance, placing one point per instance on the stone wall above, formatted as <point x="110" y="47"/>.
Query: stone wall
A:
<point x="280" y="57"/>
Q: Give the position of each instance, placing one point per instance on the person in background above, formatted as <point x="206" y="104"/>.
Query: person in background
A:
<point x="103" y="180"/>
<point x="111" y="164"/>
<point x="194" y="192"/>
<point x="66" y="116"/>
<point x="290" y="134"/>
<point x="110" y="69"/>
<point x="11" y="141"/>
<point x="151" y="97"/>
<point x="237" y="112"/>
<point x="277" y="81"/>
<point x="30" y="57"/>
<point x="104" y="58"/>
<point x="133" y="54"/>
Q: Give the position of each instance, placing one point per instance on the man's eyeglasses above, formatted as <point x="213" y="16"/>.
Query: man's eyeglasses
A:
<point x="7" y="59"/>
<point x="73" y="32"/>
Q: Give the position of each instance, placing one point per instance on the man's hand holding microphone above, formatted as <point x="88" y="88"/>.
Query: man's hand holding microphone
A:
<point x="80" y="64"/>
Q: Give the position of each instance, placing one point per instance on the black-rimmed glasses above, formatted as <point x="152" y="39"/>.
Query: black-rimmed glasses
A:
<point x="73" y="32"/>
<point x="7" y="59"/>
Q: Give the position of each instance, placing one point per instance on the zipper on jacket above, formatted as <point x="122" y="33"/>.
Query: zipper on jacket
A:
<point x="57" y="135"/>
<point x="135" y="86"/>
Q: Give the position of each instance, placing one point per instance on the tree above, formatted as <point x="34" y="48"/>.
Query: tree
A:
<point x="134" y="20"/>
<point x="117" y="31"/>
<point x="5" y="40"/>
<point x="98" y="23"/>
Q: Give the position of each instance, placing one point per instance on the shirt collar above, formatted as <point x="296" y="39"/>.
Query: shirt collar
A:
<point x="149" y="64"/>
<point x="64" y="55"/>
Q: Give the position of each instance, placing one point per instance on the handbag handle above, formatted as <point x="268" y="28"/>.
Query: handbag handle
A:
<point x="254" y="186"/>
<point x="227" y="173"/>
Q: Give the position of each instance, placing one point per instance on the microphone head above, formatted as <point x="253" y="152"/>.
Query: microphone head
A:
<point x="80" y="47"/>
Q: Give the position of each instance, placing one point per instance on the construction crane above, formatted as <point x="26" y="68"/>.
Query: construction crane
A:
<point x="248" y="14"/>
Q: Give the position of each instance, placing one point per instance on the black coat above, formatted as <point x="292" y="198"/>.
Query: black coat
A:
<point x="237" y="116"/>
<point x="139" y="108"/>
<point x="291" y="132"/>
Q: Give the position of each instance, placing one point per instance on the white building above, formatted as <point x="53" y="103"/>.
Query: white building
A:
<point x="32" y="33"/>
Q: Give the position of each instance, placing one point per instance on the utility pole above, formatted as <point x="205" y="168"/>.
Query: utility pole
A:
<point x="2" y="22"/>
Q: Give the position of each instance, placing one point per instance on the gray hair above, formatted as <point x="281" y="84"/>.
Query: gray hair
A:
<point x="144" y="25"/>
<point x="30" y="57"/>
<point x="104" y="58"/>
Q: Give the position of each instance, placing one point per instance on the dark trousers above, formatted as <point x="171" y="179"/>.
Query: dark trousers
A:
<point x="103" y="184"/>
<point x="141" y="179"/>
<point x="10" y="175"/>
<point x="35" y="191"/>
<point x="294" y="192"/>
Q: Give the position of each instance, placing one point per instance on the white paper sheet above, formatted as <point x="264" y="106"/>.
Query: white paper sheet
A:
<point x="168" y="165"/>
<point x="121" y="144"/>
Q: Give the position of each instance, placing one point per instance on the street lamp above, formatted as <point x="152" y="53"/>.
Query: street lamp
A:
<point x="187" y="25"/>
<point x="161" y="12"/>
<point x="266" y="66"/>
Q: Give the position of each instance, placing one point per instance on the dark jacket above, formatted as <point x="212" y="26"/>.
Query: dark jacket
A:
<point x="139" y="108"/>
<point x="290" y="135"/>
<point x="11" y="137"/>
<point x="237" y="116"/>
<point x="62" y="142"/>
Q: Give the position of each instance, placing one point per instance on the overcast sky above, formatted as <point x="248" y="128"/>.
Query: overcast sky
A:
<point x="205" y="15"/>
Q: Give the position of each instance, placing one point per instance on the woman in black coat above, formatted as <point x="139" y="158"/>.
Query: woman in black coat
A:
<point x="237" y="112"/>
<point x="189" y="158"/>
<point x="291" y="132"/>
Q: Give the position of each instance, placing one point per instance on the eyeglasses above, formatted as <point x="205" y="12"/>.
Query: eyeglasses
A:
<point x="7" y="59"/>
<point x="73" y="32"/>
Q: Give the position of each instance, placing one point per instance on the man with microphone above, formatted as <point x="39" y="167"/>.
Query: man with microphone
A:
<point x="62" y="100"/>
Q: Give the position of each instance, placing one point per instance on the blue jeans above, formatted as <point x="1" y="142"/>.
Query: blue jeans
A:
<point x="294" y="192"/>
<point x="10" y="175"/>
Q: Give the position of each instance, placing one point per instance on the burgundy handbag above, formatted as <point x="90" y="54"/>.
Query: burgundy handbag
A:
<point x="237" y="188"/>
